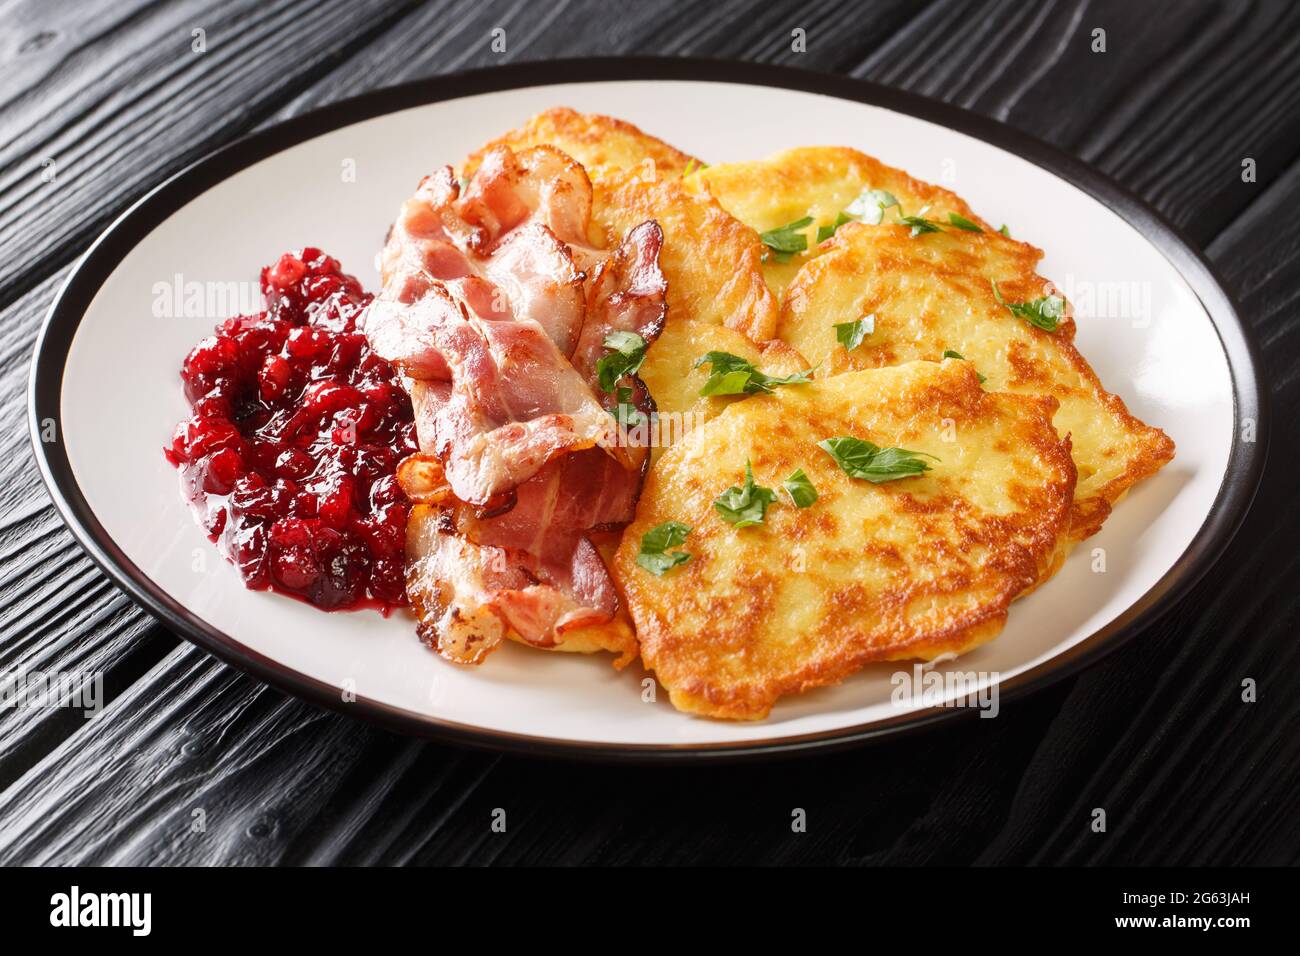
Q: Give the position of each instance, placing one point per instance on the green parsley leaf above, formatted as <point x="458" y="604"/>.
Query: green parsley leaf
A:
<point x="863" y="459"/>
<point x="870" y="206"/>
<point x="746" y="505"/>
<point x="851" y="334"/>
<point x="825" y="232"/>
<point x="627" y="415"/>
<point x="664" y="536"/>
<point x="1005" y="231"/>
<point x="800" y="489"/>
<point x="733" y="375"/>
<point x="694" y="166"/>
<point x="728" y="383"/>
<point x="919" y="224"/>
<point x="961" y="222"/>
<point x="949" y="353"/>
<point x="654" y="555"/>
<point x="628" y="352"/>
<point x="1043" y="312"/>
<point x="786" y="240"/>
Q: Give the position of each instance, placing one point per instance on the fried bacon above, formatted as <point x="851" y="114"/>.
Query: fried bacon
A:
<point x="496" y="309"/>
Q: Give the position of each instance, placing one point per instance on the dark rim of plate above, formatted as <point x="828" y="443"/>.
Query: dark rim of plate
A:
<point x="1240" y="480"/>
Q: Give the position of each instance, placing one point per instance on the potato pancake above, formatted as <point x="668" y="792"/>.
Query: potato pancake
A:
<point x="599" y="143"/>
<point x="819" y="182"/>
<point x="717" y="297"/>
<point x="674" y="382"/>
<point x="713" y="262"/>
<point x="910" y="568"/>
<point x="934" y="293"/>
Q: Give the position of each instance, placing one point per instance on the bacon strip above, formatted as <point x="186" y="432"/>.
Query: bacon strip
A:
<point x="484" y="309"/>
<point x="510" y="404"/>
<point x="626" y="294"/>
<point x="468" y="594"/>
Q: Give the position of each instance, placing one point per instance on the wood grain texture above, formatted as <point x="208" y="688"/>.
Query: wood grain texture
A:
<point x="1171" y="108"/>
<point x="120" y="102"/>
<point x="1157" y="735"/>
<point x="58" y="613"/>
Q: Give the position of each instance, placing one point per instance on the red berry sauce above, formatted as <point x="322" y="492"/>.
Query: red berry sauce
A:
<point x="296" y="433"/>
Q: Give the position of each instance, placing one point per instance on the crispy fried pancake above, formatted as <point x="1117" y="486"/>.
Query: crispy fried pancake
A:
<point x="933" y="293"/>
<point x="907" y="569"/>
<point x="717" y="297"/>
<point x="600" y="143"/>
<point x="713" y="263"/>
<point x="675" y="383"/>
<point x="817" y="181"/>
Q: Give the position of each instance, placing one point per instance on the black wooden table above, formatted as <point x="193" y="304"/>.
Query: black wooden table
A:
<point x="112" y="98"/>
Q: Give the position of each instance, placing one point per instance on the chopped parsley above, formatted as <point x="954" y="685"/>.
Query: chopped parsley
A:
<point x="949" y="353"/>
<point x="863" y="459"/>
<point x="1043" y="312"/>
<point x="625" y="413"/>
<point x="625" y="358"/>
<point x="851" y="334"/>
<point x="800" y="489"/>
<point x="785" y="241"/>
<point x="919" y="223"/>
<point x="870" y="206"/>
<point x="733" y="375"/>
<point x="825" y="232"/>
<point x="1005" y="231"/>
<point x="654" y="555"/>
<point x="961" y="222"/>
<point x="746" y="505"/>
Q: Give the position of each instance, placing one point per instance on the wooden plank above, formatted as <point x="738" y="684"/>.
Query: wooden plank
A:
<point x="1171" y="108"/>
<point x="59" y="615"/>
<point x="433" y="42"/>
<point x="278" y="781"/>
<point x="121" y="101"/>
<point x="175" y="771"/>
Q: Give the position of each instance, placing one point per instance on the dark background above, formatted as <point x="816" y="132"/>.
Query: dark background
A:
<point x="1157" y="734"/>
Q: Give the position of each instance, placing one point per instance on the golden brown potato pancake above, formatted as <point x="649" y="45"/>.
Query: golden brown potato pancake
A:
<point x="821" y="182"/>
<point x="717" y="296"/>
<point x="713" y="263"/>
<point x="911" y="568"/>
<point x="599" y="143"/>
<point x="674" y="382"/>
<point x="933" y="293"/>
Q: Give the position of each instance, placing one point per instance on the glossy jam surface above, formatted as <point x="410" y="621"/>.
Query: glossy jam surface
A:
<point x="296" y="432"/>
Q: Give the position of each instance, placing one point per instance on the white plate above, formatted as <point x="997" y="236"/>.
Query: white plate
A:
<point x="106" y="374"/>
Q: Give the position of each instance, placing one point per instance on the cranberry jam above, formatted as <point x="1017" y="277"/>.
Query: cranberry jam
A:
<point x="296" y="433"/>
